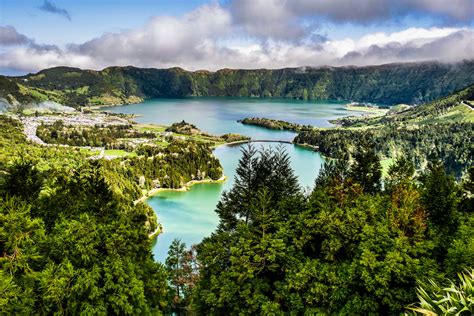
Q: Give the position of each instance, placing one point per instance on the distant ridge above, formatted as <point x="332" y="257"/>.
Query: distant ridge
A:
<point x="411" y="83"/>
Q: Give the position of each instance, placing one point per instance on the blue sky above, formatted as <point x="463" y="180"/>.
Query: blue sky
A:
<point x="89" y="18"/>
<point x="197" y="34"/>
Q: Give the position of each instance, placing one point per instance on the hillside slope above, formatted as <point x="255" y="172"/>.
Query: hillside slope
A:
<point x="457" y="107"/>
<point x="441" y="130"/>
<point x="387" y="84"/>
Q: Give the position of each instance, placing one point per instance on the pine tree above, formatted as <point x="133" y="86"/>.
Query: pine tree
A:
<point x="235" y="203"/>
<point x="400" y="173"/>
<point x="284" y="183"/>
<point x="257" y="170"/>
<point x="367" y="170"/>
<point x="439" y="196"/>
<point x="174" y="263"/>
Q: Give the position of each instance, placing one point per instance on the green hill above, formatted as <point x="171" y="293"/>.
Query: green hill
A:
<point x="457" y="107"/>
<point x="441" y="130"/>
<point x="411" y="83"/>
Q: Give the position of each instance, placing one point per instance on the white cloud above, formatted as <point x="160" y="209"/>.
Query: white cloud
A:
<point x="165" y="40"/>
<point x="404" y="36"/>
<point x="285" y="19"/>
<point x="267" y="18"/>
<point x="453" y="47"/>
<point x="34" y="59"/>
<point x="210" y="38"/>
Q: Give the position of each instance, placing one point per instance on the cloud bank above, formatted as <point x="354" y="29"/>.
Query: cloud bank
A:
<point x="9" y="36"/>
<point x="259" y="34"/>
<point x="285" y="19"/>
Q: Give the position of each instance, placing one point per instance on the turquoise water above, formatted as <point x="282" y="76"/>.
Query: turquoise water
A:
<point x="220" y="115"/>
<point x="190" y="215"/>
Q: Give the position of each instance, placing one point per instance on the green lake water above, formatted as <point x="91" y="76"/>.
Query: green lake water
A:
<point x="190" y="215"/>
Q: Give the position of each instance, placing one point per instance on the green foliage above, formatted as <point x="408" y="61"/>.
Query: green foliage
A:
<point x="449" y="143"/>
<point x="183" y="128"/>
<point x="171" y="167"/>
<point x="460" y="253"/>
<point x="366" y="169"/>
<point x="257" y="170"/>
<point x="23" y="179"/>
<point x="412" y="131"/>
<point x="439" y="196"/>
<point x="438" y="111"/>
<point x="275" y="124"/>
<point x="386" y="84"/>
<point x="71" y="239"/>
<point x="401" y="171"/>
<point x="451" y="299"/>
<point x="241" y="262"/>
<point x="11" y="91"/>
<point x="96" y="136"/>
<point x="350" y="247"/>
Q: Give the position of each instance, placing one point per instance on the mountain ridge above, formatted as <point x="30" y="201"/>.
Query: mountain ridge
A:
<point x="411" y="83"/>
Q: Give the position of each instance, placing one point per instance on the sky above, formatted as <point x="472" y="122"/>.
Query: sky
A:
<point x="211" y="35"/>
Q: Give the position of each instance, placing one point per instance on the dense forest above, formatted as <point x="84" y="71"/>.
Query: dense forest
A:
<point x="456" y="107"/>
<point x="173" y="166"/>
<point x="354" y="245"/>
<point x="75" y="240"/>
<point x="442" y="130"/>
<point x="275" y="124"/>
<point x="94" y="136"/>
<point x="386" y="84"/>
<point x="450" y="143"/>
<point x="72" y="240"/>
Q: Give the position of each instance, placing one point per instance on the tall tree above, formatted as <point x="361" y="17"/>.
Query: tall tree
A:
<point x="234" y="204"/>
<point x="242" y="265"/>
<point x="182" y="271"/>
<point x="262" y="169"/>
<point x="439" y="196"/>
<point x="367" y="170"/>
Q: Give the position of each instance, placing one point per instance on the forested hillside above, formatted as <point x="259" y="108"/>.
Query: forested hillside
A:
<point x="387" y="84"/>
<point x="457" y="107"/>
<point x="71" y="239"/>
<point x="441" y="130"/>
<point x="352" y="246"/>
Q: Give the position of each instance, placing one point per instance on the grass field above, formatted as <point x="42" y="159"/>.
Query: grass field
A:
<point x="119" y="153"/>
<point x="150" y="128"/>
<point x="366" y="109"/>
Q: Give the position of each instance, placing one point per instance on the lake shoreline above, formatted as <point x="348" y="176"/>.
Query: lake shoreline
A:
<point x="153" y="113"/>
<point x="150" y="193"/>
<point x="184" y="188"/>
<point x="156" y="232"/>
